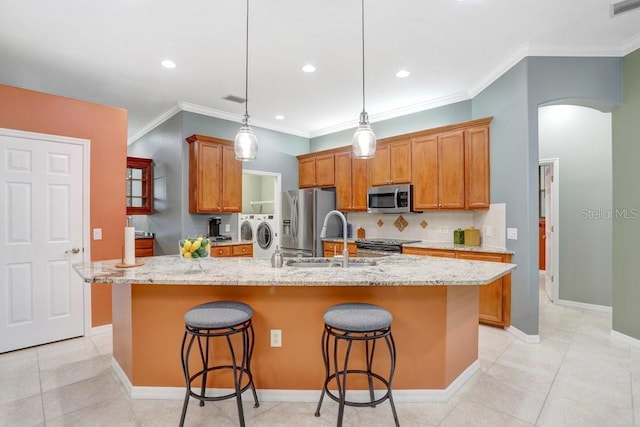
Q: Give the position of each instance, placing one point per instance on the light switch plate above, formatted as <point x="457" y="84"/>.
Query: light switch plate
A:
<point x="512" y="233"/>
<point x="227" y="228"/>
<point x="97" y="234"/>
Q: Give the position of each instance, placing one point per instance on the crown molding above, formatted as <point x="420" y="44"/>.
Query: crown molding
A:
<point x="391" y="114"/>
<point x="154" y="124"/>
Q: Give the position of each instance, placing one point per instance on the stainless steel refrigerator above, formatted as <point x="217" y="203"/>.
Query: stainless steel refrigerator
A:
<point x="303" y="212"/>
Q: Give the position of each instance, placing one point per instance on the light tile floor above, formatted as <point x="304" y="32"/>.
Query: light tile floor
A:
<point x="577" y="376"/>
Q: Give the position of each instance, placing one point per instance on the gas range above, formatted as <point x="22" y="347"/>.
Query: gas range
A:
<point x="380" y="244"/>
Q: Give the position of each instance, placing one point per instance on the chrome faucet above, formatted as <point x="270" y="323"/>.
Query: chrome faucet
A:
<point x="323" y="234"/>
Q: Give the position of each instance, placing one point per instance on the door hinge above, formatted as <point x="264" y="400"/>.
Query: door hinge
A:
<point x="552" y="230"/>
<point x="552" y="277"/>
<point x="551" y="178"/>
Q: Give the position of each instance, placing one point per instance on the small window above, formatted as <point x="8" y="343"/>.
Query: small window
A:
<point x="139" y="182"/>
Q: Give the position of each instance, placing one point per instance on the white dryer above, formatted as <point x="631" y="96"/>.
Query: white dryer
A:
<point x="265" y="235"/>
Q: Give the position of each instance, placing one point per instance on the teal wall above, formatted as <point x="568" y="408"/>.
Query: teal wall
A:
<point x="626" y="195"/>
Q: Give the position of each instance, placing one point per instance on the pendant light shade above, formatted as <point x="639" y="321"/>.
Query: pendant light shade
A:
<point x="245" y="144"/>
<point x="364" y="140"/>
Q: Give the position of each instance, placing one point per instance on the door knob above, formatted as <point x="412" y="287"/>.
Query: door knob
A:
<point x="73" y="251"/>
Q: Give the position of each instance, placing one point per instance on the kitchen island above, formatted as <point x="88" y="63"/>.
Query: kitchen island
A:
<point x="434" y="302"/>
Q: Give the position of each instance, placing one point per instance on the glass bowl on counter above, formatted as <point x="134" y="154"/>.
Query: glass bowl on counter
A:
<point x="194" y="248"/>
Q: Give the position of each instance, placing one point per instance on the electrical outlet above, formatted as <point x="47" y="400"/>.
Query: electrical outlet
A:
<point x="487" y="231"/>
<point x="97" y="234"/>
<point x="227" y="228"/>
<point x="276" y="337"/>
<point x="512" y="233"/>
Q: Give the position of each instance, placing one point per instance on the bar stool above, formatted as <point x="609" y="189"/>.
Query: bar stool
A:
<point x="349" y="323"/>
<point x="212" y="320"/>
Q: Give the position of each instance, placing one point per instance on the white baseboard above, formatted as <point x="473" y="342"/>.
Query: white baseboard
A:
<point x="271" y="395"/>
<point x="583" y="305"/>
<point x="531" y="339"/>
<point x="101" y="329"/>
<point x="625" y="338"/>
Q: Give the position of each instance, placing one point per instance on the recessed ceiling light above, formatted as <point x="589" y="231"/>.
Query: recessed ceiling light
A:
<point x="402" y="74"/>
<point x="279" y="117"/>
<point x="308" y="68"/>
<point x="167" y="63"/>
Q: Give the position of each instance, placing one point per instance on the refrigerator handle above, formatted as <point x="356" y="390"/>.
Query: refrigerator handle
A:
<point x="294" y="218"/>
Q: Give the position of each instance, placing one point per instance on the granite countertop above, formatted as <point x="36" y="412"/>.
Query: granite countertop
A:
<point x="394" y="270"/>
<point x="436" y="245"/>
<point x="454" y="247"/>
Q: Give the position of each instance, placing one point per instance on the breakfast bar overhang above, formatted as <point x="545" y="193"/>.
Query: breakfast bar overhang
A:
<point x="434" y="302"/>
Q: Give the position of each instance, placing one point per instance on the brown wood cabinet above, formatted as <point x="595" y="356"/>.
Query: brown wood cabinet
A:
<point x="240" y="250"/>
<point x="429" y="252"/>
<point x="438" y="171"/>
<point x="351" y="182"/>
<point x="139" y="182"/>
<point x="316" y="170"/>
<point x="331" y="249"/>
<point x="144" y="247"/>
<point x="477" y="172"/>
<point x="215" y="176"/>
<point x="392" y="163"/>
<point x="495" y="298"/>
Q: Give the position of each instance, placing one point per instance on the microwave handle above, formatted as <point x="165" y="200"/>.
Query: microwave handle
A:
<point x="395" y="198"/>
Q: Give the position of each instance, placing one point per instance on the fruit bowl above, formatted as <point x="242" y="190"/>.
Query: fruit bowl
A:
<point x="194" y="248"/>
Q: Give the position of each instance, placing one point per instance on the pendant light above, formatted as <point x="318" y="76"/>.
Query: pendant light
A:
<point x="245" y="143"/>
<point x="364" y="140"/>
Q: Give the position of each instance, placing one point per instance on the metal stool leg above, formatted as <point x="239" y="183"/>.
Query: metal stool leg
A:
<point x="325" y="357"/>
<point x="184" y="356"/>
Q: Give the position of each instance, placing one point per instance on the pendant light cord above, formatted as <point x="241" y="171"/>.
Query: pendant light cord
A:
<point x="246" y="68"/>
<point x="362" y="9"/>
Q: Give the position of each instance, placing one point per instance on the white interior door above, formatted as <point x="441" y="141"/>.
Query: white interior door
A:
<point x="41" y="235"/>
<point x="549" y="232"/>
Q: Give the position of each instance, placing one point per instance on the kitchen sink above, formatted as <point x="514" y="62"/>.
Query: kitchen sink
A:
<point x="328" y="262"/>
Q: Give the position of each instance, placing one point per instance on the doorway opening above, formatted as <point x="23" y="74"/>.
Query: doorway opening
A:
<point x="548" y="225"/>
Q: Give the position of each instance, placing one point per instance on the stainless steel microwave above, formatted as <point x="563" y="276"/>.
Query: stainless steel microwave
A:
<point x="390" y="199"/>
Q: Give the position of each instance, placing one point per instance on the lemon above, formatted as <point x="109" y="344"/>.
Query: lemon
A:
<point x="187" y="255"/>
<point x="187" y="245"/>
<point x="195" y="245"/>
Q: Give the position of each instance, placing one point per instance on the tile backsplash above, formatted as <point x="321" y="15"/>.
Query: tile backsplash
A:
<point x="439" y="225"/>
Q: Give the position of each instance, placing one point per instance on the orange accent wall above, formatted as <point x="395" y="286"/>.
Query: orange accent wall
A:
<point x="106" y="128"/>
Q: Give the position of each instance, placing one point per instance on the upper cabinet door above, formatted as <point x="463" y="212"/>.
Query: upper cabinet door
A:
<point x="400" y="162"/>
<point x="478" y="177"/>
<point x="451" y="170"/>
<point x="307" y="172"/>
<point x="424" y="172"/>
<point x="231" y="181"/>
<point x="380" y="166"/>
<point x="316" y="171"/>
<point x="207" y="168"/>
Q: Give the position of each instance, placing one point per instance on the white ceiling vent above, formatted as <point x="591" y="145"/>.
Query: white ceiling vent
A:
<point x="624" y="6"/>
<point x="238" y="99"/>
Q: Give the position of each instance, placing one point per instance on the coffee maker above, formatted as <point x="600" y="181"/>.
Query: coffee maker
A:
<point x="214" y="229"/>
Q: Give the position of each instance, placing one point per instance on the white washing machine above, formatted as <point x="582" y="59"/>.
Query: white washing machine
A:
<point x="247" y="228"/>
<point x="265" y="235"/>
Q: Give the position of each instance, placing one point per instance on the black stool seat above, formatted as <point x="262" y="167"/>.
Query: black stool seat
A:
<point x="212" y="320"/>
<point x="351" y="323"/>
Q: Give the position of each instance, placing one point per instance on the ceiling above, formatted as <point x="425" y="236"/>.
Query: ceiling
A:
<point x="109" y="52"/>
